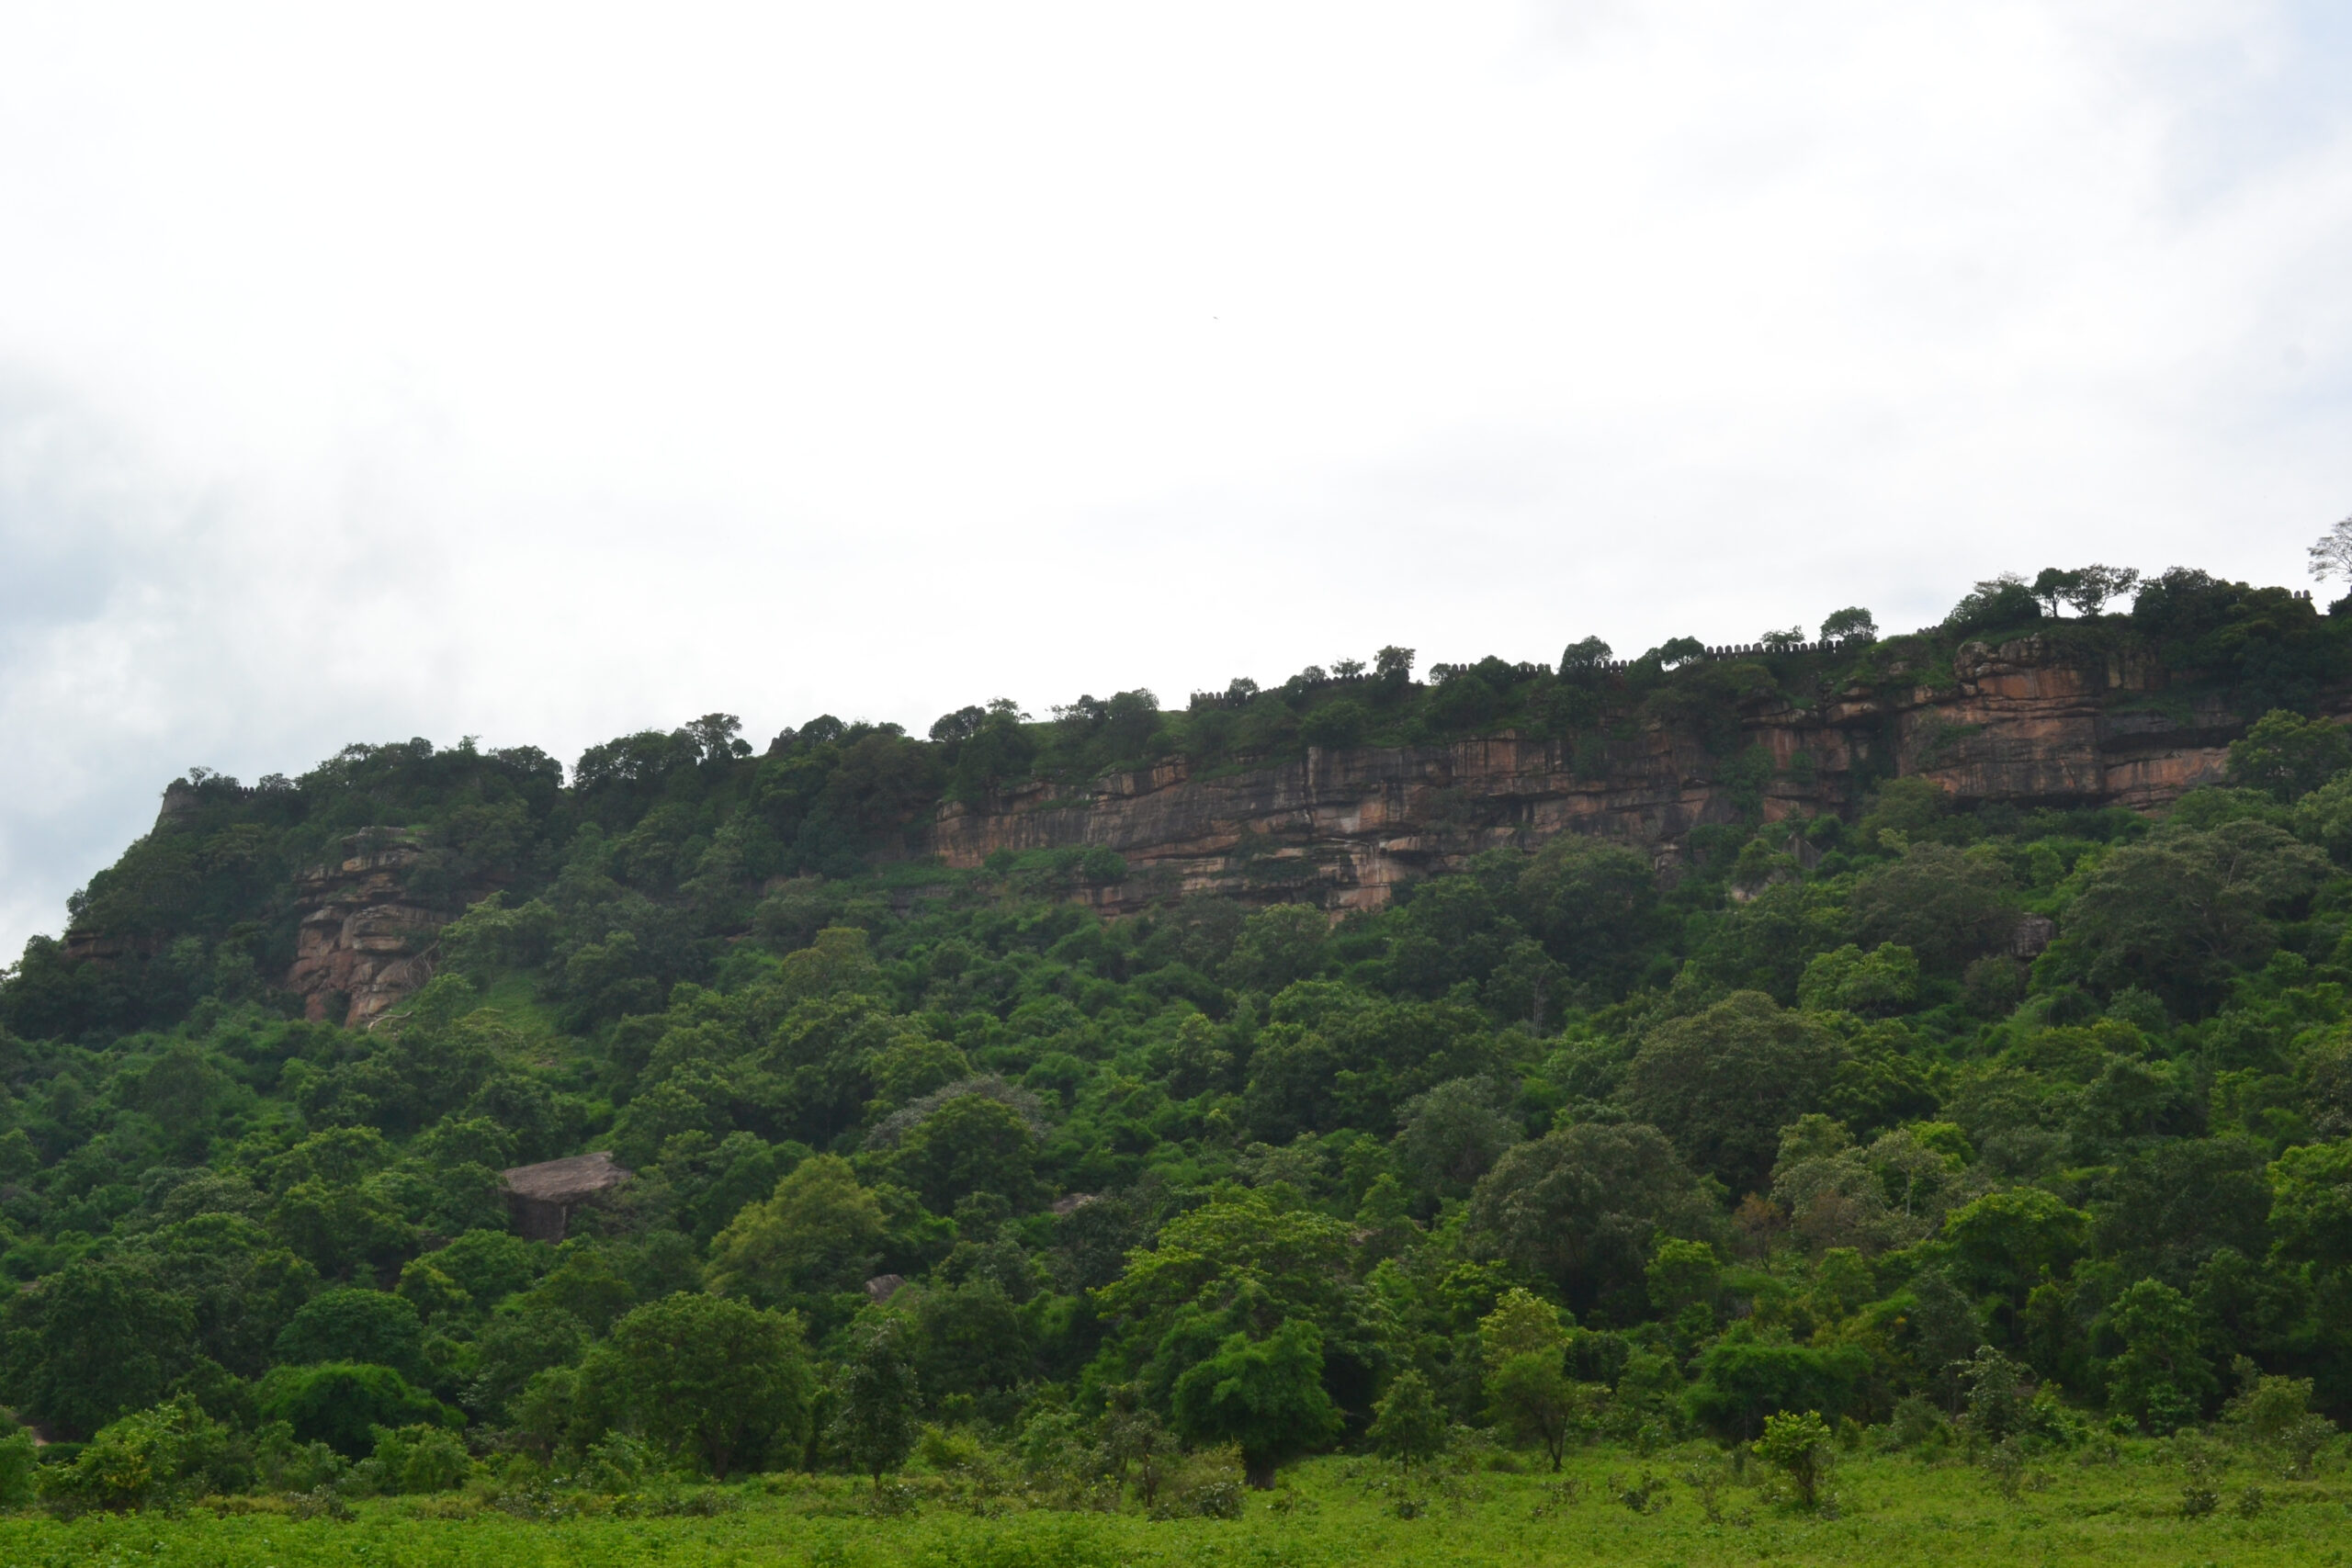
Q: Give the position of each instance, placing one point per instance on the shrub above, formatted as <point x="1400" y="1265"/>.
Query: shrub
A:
<point x="152" y="1456"/>
<point x="1798" y="1447"/>
<point x="18" y="1460"/>
<point x="341" y="1403"/>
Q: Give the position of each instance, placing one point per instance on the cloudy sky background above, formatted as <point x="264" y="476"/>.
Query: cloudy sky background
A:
<point x="547" y="373"/>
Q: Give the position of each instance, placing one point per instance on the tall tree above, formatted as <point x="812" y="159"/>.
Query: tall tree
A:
<point x="876" y="1399"/>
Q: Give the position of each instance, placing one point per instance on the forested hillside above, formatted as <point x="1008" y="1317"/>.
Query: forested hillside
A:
<point x="2035" y="1120"/>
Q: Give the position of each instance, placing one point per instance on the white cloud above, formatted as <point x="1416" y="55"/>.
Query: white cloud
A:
<point x="545" y="373"/>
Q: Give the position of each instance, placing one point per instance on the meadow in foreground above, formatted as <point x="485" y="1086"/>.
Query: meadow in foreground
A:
<point x="2132" y="1501"/>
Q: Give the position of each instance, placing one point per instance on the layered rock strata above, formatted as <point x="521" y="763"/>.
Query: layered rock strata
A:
<point x="2025" y="723"/>
<point x="363" y="944"/>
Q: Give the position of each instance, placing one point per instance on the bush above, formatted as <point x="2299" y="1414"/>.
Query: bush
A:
<point x="341" y="1404"/>
<point x="159" y="1455"/>
<point x="1744" y="1381"/>
<point x="1798" y="1447"/>
<point x="412" y="1460"/>
<point x="18" y="1460"/>
<point x="1996" y="605"/>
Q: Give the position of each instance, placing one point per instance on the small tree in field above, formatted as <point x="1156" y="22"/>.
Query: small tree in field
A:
<point x="1798" y="1447"/>
<point x="1527" y="1388"/>
<point x="1408" y="1426"/>
<point x="874" y="1421"/>
<point x="1265" y="1396"/>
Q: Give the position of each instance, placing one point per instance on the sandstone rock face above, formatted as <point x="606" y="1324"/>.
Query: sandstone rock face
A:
<point x="2024" y="723"/>
<point x="361" y="937"/>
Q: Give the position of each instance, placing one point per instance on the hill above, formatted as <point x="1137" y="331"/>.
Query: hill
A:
<point x="1891" y="1027"/>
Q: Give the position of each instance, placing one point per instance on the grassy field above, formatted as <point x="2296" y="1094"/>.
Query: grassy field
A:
<point x="1886" y="1510"/>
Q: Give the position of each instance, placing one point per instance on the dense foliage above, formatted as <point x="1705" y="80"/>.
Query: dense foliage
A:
<point x="1545" y="1147"/>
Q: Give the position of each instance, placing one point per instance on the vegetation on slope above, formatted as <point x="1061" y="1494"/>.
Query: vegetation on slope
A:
<point x="1545" y="1150"/>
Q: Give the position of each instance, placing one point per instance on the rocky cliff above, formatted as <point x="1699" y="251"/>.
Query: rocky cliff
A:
<point x="2026" y="722"/>
<point x="364" y="943"/>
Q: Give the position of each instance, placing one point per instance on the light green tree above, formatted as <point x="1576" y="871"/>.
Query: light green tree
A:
<point x="1798" y="1447"/>
<point x="1529" y="1391"/>
<point x="818" y="1232"/>
<point x="1407" y="1425"/>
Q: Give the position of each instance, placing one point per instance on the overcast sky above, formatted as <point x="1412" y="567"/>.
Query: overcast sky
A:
<point x="547" y="373"/>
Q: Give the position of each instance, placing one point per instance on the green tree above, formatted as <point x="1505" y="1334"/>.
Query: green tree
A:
<point x="1743" y="1380"/>
<point x="2274" y="1414"/>
<point x="1885" y="980"/>
<point x="490" y="1266"/>
<point x="19" y="1466"/>
<point x="1582" y="1205"/>
<point x="1265" y="1396"/>
<point x="160" y="1455"/>
<point x="98" y="1338"/>
<point x="1682" y="1274"/>
<point x="1594" y="905"/>
<point x="2162" y="1378"/>
<point x="341" y="1403"/>
<point x="1798" y="1447"/>
<point x="820" y="1230"/>
<point x="704" y="1376"/>
<point x="2286" y="756"/>
<point x="408" y="1460"/>
<point x="1278" y="946"/>
<point x="971" y="1339"/>
<point x="1722" y="1083"/>
<point x="1407" y="1425"/>
<point x="1528" y="1389"/>
<point x="347" y="1325"/>
<point x="1947" y="906"/>
<point x="2011" y="1241"/>
<point x="1998" y="1394"/>
<point x="1853" y="623"/>
<point x="2176" y="913"/>
<point x="1997" y="604"/>
<point x="971" y="1144"/>
<point x="2311" y="1204"/>
<point x="876" y="1398"/>
<point x="1452" y="1134"/>
<point x="1242" y="1251"/>
<point x="341" y="1228"/>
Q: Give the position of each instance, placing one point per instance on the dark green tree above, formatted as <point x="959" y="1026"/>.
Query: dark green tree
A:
<point x="94" y="1341"/>
<point x="971" y="1144"/>
<point x="705" y="1378"/>
<point x="346" y="1325"/>
<point x="876" y="1401"/>
<point x="1582" y="1206"/>
<point x="342" y="1404"/>
<point x="1266" y="1396"/>
<point x="1722" y="1083"/>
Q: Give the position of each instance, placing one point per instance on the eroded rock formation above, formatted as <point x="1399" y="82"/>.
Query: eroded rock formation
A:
<point x="543" y="1196"/>
<point x="364" y="944"/>
<point x="2025" y="722"/>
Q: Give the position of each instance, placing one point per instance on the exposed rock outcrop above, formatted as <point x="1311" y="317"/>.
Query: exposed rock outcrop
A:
<point x="543" y="1196"/>
<point x="364" y="944"/>
<point x="2027" y="722"/>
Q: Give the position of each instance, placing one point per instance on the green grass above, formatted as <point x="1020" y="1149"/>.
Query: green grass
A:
<point x="1887" y="1511"/>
